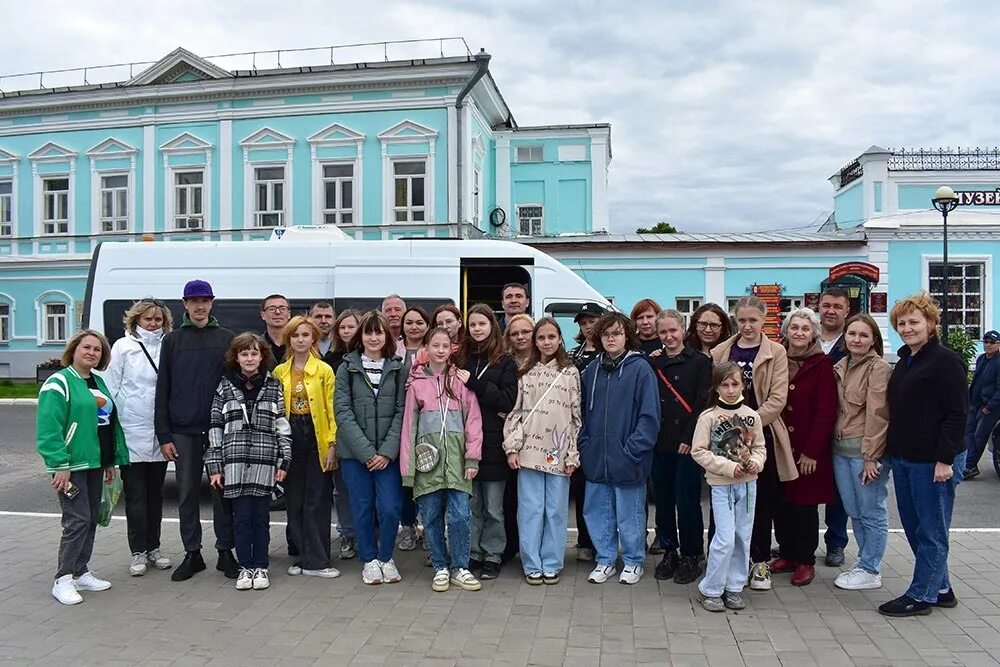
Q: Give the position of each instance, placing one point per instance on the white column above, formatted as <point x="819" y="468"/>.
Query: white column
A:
<point x="715" y="280"/>
<point x="878" y="254"/>
<point x="599" y="179"/>
<point x="452" y="164"/>
<point x="503" y="177"/>
<point x="226" y="175"/>
<point x="149" y="180"/>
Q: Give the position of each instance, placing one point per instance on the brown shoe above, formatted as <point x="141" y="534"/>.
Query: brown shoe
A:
<point x="782" y="565"/>
<point x="804" y="574"/>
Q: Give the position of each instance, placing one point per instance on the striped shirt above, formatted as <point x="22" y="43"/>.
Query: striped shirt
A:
<point x="373" y="371"/>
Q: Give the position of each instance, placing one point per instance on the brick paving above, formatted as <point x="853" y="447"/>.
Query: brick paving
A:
<point x="303" y="621"/>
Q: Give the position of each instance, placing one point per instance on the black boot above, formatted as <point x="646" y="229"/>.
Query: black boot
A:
<point x="193" y="563"/>
<point x="227" y="564"/>
<point x="667" y="566"/>
<point x="688" y="571"/>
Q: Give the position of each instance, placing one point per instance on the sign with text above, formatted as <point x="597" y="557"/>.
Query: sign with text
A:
<point x="771" y="296"/>
<point x="878" y="302"/>
<point x="979" y="197"/>
<point x="811" y="300"/>
<point x="863" y="270"/>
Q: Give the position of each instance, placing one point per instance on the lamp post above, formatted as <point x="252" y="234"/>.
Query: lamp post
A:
<point x="945" y="200"/>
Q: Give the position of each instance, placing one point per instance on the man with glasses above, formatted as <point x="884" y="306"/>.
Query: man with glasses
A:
<point x="984" y="402"/>
<point x="275" y="312"/>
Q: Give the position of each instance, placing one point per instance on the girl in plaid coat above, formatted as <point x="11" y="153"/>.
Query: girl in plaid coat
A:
<point x="249" y="450"/>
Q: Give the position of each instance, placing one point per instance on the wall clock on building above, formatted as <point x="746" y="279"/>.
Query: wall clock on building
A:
<point x="498" y="219"/>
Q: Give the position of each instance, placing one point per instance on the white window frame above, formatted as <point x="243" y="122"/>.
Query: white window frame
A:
<point x="99" y="200"/>
<point x="477" y="199"/>
<point x="173" y="222"/>
<point x="111" y="149"/>
<point x="986" y="297"/>
<point x="57" y="195"/>
<point x="187" y="144"/>
<point x="269" y="185"/>
<point x="266" y="139"/>
<point x="6" y="320"/>
<point x="42" y="316"/>
<point x="403" y="133"/>
<point x="9" y="160"/>
<point x="52" y="161"/>
<point x="531" y="220"/>
<point x="694" y="303"/>
<point x="7" y="226"/>
<point x="336" y="136"/>
<point x="533" y="153"/>
<point x="53" y="319"/>
<point x="410" y="209"/>
<point x="337" y="181"/>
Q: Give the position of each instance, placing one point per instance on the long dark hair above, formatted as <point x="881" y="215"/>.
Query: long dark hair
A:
<point x="448" y="364"/>
<point x="491" y="348"/>
<point x="693" y="339"/>
<point x="423" y="315"/>
<point x="374" y="322"/>
<point x="339" y="346"/>
<point x="562" y="358"/>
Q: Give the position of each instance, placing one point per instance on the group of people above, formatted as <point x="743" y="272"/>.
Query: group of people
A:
<point x="482" y="430"/>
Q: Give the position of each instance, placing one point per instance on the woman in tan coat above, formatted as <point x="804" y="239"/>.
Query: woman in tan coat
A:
<point x="765" y="379"/>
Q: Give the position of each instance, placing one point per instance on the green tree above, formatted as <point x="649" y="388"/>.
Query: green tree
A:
<point x="662" y="227"/>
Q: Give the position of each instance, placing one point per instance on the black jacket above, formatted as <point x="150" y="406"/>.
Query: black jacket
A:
<point x="495" y="386"/>
<point x="191" y="364"/>
<point x="278" y="351"/>
<point x="690" y="373"/>
<point x="582" y="357"/>
<point x="928" y="404"/>
<point x="334" y="359"/>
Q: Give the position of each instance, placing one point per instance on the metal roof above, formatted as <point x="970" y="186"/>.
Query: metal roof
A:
<point x="746" y="238"/>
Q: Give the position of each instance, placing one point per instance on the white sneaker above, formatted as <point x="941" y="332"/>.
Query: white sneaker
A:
<point x="442" y="580"/>
<point x="158" y="560"/>
<point x="602" y="573"/>
<point x="390" y="573"/>
<point x="260" y="579"/>
<point x="88" y="582"/>
<point x="857" y="579"/>
<point x="64" y="590"/>
<point x="325" y="573"/>
<point x="372" y="573"/>
<point x="631" y="574"/>
<point x="244" y="581"/>
<point x="294" y="570"/>
<point x="407" y="538"/>
<point x="760" y="577"/>
<point x="465" y="580"/>
<point x="138" y="566"/>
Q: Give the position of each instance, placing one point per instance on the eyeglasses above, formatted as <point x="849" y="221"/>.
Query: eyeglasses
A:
<point x="277" y="309"/>
<point x="613" y="334"/>
<point x="520" y="334"/>
<point x="709" y="325"/>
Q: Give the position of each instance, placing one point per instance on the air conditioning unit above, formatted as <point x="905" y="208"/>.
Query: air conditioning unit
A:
<point x="194" y="223"/>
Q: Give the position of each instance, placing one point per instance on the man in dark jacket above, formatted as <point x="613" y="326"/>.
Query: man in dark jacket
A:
<point x="275" y="311"/>
<point x="191" y="365"/>
<point x="834" y="308"/>
<point x="984" y="402"/>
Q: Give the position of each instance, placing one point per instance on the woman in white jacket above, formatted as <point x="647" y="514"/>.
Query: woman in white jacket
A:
<point x="131" y="379"/>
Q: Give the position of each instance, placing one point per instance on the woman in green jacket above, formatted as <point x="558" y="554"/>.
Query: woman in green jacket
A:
<point x="80" y="439"/>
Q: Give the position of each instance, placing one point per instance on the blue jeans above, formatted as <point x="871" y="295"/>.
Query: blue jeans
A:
<point x="677" y="494"/>
<point x="342" y="505"/>
<point x="252" y="530"/>
<point x="978" y="430"/>
<point x="617" y="512"/>
<point x="835" y="516"/>
<point x="436" y="508"/>
<point x="866" y="505"/>
<point x="542" y="517"/>
<point x="925" y="510"/>
<point x="380" y="490"/>
<point x="729" y="553"/>
<point x="488" y="537"/>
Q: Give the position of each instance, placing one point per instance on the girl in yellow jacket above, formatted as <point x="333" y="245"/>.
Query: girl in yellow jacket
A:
<point x="308" y="390"/>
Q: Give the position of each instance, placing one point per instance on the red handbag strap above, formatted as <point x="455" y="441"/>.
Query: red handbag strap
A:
<point x="674" y="391"/>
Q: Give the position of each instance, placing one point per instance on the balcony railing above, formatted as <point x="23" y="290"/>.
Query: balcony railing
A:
<point x="945" y="159"/>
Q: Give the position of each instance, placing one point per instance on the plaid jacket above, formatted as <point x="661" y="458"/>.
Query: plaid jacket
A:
<point x="248" y="443"/>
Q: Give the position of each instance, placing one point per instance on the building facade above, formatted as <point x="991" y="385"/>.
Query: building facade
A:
<point x="187" y="150"/>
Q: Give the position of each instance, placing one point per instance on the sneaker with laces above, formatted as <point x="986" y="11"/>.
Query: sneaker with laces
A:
<point x="760" y="577"/>
<point x="407" y="538"/>
<point x="261" y="580"/>
<point x="491" y="570"/>
<point x="550" y="578"/>
<point x="834" y="556"/>
<point x="294" y="570"/>
<point x="442" y="581"/>
<point x="244" y="581"/>
<point x="324" y="573"/>
<point x="585" y="555"/>
<point x="465" y="580"/>
<point x="138" y="566"/>
<point x="88" y="582"/>
<point x="602" y="573"/>
<point x="733" y="600"/>
<point x="348" y="548"/>
<point x="372" y="573"/>
<point x="390" y="573"/>
<point x="857" y="579"/>
<point x="688" y="571"/>
<point x="667" y="566"/>
<point x="64" y="590"/>
<point x="631" y="574"/>
<point x="712" y="604"/>
<point x="534" y="578"/>
<point x="157" y="559"/>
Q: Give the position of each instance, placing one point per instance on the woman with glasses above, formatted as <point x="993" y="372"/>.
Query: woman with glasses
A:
<point x="517" y="338"/>
<point x="131" y="379"/>
<point x="708" y="326"/>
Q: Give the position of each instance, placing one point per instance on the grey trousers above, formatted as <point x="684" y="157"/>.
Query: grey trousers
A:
<point x="488" y="536"/>
<point x="79" y="522"/>
<point x="189" y="466"/>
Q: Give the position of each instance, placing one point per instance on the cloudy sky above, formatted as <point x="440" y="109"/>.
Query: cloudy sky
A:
<point x="725" y="115"/>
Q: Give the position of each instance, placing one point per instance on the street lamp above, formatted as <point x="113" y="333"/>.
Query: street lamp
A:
<point x="945" y="200"/>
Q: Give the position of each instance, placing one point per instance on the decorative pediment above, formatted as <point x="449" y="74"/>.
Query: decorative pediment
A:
<point x="6" y="157"/>
<point x="336" y="134"/>
<point x="179" y="66"/>
<point x="51" y="152"/>
<point x="408" y="131"/>
<point x="267" y="138"/>
<point x="186" y="143"/>
<point x="111" y="148"/>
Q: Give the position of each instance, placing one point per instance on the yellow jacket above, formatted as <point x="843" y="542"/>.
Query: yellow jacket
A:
<point x="319" y="381"/>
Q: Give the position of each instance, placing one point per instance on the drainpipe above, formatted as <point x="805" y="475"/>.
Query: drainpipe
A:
<point x="482" y="60"/>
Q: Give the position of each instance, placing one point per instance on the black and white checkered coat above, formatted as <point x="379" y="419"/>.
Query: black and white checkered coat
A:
<point x="248" y="443"/>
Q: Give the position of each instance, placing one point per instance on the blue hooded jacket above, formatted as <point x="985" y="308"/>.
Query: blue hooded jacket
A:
<point x="621" y="420"/>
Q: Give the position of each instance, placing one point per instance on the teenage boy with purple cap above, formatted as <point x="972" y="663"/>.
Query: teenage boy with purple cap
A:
<point x="191" y="364"/>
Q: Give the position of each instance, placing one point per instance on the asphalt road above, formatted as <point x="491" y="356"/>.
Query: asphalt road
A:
<point x="24" y="486"/>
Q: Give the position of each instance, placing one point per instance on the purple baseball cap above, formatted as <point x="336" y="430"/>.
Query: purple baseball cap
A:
<point x="197" y="288"/>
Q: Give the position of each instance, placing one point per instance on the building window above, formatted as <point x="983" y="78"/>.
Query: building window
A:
<point x="6" y="208"/>
<point x="572" y="153"/>
<point x="189" y="203"/>
<point x="269" y="196"/>
<point x="410" y="183"/>
<point x="731" y="304"/>
<point x="965" y="294"/>
<point x="114" y="203"/>
<point x="55" y="205"/>
<point x="4" y="322"/>
<point x="686" y="306"/>
<point x="529" y="153"/>
<point x="529" y="220"/>
<point x="338" y="194"/>
<point x="55" y="323"/>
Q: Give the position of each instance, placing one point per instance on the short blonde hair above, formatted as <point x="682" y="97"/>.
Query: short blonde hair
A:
<point x="921" y="302"/>
<point x="74" y="342"/>
<point x="140" y="307"/>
